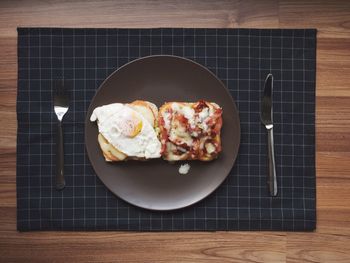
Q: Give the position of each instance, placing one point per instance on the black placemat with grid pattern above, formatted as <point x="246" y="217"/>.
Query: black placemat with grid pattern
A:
<point x="241" y="58"/>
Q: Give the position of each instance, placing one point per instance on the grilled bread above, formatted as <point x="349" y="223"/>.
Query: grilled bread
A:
<point x="190" y="131"/>
<point x="149" y="112"/>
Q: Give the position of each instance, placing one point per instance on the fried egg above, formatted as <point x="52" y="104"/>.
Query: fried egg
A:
<point x="127" y="130"/>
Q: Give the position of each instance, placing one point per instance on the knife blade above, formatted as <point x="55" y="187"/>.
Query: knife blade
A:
<point x="266" y="116"/>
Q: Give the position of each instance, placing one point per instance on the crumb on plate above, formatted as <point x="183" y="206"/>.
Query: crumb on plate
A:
<point x="184" y="168"/>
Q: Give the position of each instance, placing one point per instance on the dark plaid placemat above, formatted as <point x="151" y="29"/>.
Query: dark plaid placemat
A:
<point x="240" y="57"/>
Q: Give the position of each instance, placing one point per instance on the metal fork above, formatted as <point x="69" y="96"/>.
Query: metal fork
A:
<point x="61" y="105"/>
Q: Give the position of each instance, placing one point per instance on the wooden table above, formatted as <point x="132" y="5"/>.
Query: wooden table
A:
<point x="330" y="242"/>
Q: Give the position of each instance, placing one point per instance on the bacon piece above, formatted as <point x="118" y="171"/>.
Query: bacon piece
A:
<point x="200" y="106"/>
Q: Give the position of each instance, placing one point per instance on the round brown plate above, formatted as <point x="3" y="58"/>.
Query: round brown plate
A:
<point x="157" y="184"/>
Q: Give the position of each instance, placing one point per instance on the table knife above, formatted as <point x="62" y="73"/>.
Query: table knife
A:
<point x="266" y="116"/>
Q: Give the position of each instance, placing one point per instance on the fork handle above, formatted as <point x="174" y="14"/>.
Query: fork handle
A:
<point x="60" y="182"/>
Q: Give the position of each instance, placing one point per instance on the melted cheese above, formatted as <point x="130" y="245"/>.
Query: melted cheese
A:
<point x="210" y="148"/>
<point x="186" y="111"/>
<point x="203" y="114"/>
<point x="167" y="120"/>
<point x="180" y="134"/>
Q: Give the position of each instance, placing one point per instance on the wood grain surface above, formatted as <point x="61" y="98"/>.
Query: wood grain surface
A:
<point x="330" y="242"/>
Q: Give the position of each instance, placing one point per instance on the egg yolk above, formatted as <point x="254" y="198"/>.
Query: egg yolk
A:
<point x="130" y="126"/>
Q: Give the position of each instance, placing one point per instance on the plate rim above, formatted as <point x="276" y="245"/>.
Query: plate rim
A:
<point x="87" y="119"/>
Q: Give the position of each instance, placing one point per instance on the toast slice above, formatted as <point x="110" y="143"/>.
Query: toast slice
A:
<point x="149" y="111"/>
<point x="190" y="131"/>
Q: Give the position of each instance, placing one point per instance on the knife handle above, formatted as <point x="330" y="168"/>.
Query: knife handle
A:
<point x="272" y="180"/>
